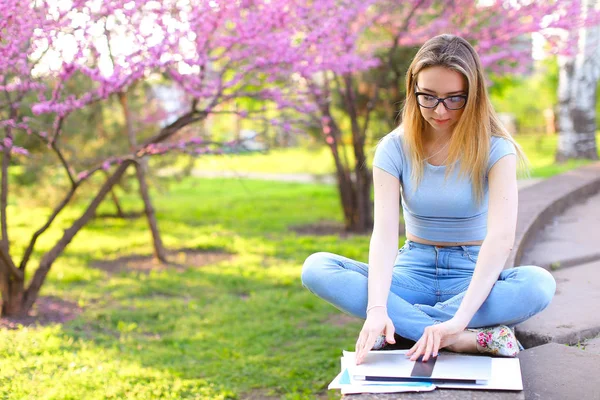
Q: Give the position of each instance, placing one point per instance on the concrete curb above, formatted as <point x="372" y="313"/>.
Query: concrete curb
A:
<point x="540" y="203"/>
<point x="538" y="206"/>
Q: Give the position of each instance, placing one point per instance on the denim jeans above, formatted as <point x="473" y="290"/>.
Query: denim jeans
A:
<point x="428" y="285"/>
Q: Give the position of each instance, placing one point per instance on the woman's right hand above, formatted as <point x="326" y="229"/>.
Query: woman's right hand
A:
<point x="378" y="322"/>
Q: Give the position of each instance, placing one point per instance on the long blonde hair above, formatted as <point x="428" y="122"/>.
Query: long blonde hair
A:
<point x="471" y="137"/>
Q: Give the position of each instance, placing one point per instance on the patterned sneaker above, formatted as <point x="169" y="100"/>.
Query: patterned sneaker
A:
<point x="498" y="340"/>
<point x="380" y="343"/>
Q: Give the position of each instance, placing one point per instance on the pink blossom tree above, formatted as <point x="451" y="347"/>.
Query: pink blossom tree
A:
<point x="215" y="51"/>
<point x="298" y="55"/>
<point x="351" y="39"/>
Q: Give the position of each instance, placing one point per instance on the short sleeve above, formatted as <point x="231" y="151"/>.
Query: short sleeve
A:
<point x="500" y="147"/>
<point x="388" y="155"/>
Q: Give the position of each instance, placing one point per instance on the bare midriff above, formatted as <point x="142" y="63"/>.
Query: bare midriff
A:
<point x="416" y="239"/>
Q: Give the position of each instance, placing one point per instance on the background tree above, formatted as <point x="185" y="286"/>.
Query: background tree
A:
<point x="216" y="52"/>
<point x="370" y="37"/>
<point x="579" y="74"/>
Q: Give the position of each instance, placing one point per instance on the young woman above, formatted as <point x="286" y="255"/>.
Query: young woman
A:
<point x="454" y="165"/>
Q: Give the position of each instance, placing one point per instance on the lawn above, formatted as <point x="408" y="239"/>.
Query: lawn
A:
<point x="540" y="150"/>
<point x="238" y="327"/>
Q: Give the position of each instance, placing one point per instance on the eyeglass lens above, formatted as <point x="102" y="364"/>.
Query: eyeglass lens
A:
<point x="451" y="103"/>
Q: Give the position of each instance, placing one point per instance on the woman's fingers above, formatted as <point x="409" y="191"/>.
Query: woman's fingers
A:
<point x="429" y="348"/>
<point x="428" y="345"/>
<point x="434" y="341"/>
<point x="418" y="348"/>
<point x="436" y="346"/>
<point x="414" y="348"/>
<point x="360" y="344"/>
<point x="365" y="345"/>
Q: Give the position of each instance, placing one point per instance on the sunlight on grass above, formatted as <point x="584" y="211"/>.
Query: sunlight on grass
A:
<point x="218" y="331"/>
<point x="540" y="150"/>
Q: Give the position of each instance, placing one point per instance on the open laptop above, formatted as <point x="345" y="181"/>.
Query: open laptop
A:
<point x="445" y="368"/>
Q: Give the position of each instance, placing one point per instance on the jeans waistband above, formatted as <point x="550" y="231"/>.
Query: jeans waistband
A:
<point x="412" y="244"/>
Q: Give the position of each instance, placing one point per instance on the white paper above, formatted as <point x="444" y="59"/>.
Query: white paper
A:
<point x="372" y="387"/>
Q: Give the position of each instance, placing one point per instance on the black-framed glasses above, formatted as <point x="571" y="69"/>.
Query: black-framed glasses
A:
<point x="455" y="102"/>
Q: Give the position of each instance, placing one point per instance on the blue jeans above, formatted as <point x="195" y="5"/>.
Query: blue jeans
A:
<point x="428" y="285"/>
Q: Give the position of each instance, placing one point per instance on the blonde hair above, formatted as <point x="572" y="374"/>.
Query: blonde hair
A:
<point x="471" y="137"/>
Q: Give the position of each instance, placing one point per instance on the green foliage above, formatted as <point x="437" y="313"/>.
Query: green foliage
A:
<point x="527" y="97"/>
<point x="541" y="151"/>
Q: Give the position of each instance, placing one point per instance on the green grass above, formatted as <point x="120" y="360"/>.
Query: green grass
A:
<point x="317" y="161"/>
<point x="217" y="331"/>
<point x="226" y="330"/>
<point x="540" y="150"/>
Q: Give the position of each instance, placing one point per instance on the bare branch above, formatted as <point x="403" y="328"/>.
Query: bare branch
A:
<point x="174" y="127"/>
<point x="48" y="259"/>
<point x="37" y="233"/>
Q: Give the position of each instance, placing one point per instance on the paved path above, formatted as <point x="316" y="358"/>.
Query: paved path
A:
<point x="573" y="238"/>
<point x="570" y="248"/>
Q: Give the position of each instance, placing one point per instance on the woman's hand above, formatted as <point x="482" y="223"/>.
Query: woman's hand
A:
<point x="434" y="338"/>
<point x="378" y="322"/>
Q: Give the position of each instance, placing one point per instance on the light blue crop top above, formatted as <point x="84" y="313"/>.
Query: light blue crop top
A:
<point x="438" y="209"/>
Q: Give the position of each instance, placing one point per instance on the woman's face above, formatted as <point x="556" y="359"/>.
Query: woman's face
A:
<point x="441" y="82"/>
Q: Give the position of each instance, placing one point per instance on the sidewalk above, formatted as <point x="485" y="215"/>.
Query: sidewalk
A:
<point x="570" y="248"/>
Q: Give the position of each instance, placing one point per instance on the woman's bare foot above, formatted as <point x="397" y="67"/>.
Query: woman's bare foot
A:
<point x="466" y="343"/>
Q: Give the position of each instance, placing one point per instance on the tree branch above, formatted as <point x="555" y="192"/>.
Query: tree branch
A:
<point x="48" y="259"/>
<point x="37" y="233"/>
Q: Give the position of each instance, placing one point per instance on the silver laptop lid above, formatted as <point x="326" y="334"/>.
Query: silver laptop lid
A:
<point x="386" y="365"/>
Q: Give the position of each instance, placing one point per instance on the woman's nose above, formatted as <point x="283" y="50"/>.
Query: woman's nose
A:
<point x="440" y="109"/>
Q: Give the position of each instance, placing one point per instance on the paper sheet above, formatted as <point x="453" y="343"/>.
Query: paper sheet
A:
<point x="347" y="385"/>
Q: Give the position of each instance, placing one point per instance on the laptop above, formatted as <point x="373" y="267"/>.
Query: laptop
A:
<point x="445" y="368"/>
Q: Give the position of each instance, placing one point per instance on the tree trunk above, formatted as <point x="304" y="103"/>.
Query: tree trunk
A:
<point x="159" y="249"/>
<point x="12" y="294"/>
<point x="578" y="78"/>
<point x="140" y="170"/>
<point x="32" y="292"/>
<point x="355" y="192"/>
<point x="362" y="173"/>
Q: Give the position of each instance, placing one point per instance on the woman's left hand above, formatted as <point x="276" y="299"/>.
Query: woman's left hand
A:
<point x="434" y="338"/>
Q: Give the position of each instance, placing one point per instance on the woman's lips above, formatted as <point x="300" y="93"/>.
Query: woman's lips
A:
<point x="441" y="121"/>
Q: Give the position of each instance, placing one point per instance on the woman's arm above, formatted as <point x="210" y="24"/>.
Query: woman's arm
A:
<point x="383" y="247"/>
<point x="498" y="243"/>
<point x="382" y="254"/>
